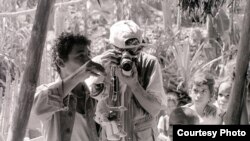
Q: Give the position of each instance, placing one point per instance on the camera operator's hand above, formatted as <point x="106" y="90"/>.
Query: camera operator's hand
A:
<point x="132" y="80"/>
<point x="109" y="58"/>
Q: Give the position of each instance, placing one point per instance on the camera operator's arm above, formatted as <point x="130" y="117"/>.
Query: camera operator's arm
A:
<point x="150" y="99"/>
<point x="49" y="99"/>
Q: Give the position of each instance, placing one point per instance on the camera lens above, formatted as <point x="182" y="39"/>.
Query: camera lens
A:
<point x="126" y="65"/>
<point x="126" y="61"/>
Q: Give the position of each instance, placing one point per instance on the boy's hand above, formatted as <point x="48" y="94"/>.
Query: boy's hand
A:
<point x="93" y="68"/>
<point x="88" y="69"/>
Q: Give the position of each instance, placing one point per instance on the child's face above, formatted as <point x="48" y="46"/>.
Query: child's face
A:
<point x="200" y="94"/>
<point x="223" y="95"/>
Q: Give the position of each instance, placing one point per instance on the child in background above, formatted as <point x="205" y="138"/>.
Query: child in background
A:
<point x="225" y="85"/>
<point x="171" y="104"/>
<point x="181" y="116"/>
<point x="202" y="92"/>
<point x="224" y="91"/>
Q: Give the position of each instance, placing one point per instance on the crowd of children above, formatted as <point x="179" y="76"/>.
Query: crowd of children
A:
<point x="208" y="106"/>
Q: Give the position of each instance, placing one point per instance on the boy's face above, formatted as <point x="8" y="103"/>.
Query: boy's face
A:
<point x="78" y="56"/>
<point x="200" y="94"/>
<point x="223" y="95"/>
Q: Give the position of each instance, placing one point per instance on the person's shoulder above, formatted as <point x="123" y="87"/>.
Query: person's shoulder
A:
<point x="161" y="118"/>
<point x="166" y="117"/>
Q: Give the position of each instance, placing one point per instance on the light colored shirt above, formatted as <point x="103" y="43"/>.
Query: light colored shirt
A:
<point x="46" y="107"/>
<point x="154" y="90"/>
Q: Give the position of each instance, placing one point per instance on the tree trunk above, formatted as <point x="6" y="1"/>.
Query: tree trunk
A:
<point x="24" y="102"/>
<point x="237" y="97"/>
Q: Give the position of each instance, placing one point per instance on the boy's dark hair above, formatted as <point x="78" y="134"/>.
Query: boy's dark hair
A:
<point x="64" y="45"/>
<point x="204" y="78"/>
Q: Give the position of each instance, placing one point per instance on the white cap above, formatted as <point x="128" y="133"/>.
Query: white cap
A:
<point x="123" y="30"/>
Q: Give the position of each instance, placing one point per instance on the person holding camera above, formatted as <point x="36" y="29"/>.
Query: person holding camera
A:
<point x="64" y="107"/>
<point x="140" y="81"/>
